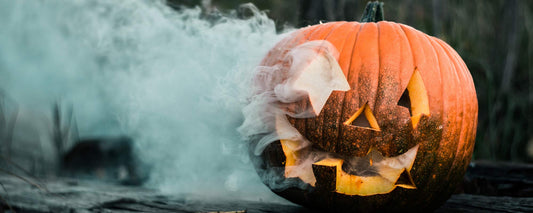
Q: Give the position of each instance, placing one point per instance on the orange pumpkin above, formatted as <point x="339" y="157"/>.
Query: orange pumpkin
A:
<point x="394" y="131"/>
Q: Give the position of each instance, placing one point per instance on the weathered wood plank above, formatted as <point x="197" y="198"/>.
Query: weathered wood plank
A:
<point x="480" y="203"/>
<point x="68" y="195"/>
<point x="498" y="179"/>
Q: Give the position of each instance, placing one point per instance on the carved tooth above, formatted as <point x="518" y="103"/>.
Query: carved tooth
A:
<point x="405" y="180"/>
<point x="389" y="173"/>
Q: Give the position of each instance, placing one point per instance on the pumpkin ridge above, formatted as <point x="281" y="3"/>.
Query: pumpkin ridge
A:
<point x="455" y="78"/>
<point x="463" y="136"/>
<point x="366" y="71"/>
<point x="400" y="66"/>
<point x="389" y="86"/>
<point x="344" y="102"/>
<point x="383" y="96"/>
<point x="403" y="85"/>
<point x="314" y="127"/>
<point x="448" y="120"/>
<point x="452" y="78"/>
<point x="322" y="120"/>
<point x="422" y="39"/>
<point x="380" y="72"/>
<point x="421" y="182"/>
<point x="327" y="29"/>
<point x="301" y="123"/>
<point x="464" y="140"/>
<point x="405" y="67"/>
<point x="460" y="76"/>
<point x="325" y="115"/>
<point x="410" y="50"/>
<point x="473" y="99"/>
<point x="471" y="89"/>
<point x="436" y="167"/>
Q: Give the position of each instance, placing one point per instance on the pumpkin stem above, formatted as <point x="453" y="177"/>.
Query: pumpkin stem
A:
<point x="373" y="12"/>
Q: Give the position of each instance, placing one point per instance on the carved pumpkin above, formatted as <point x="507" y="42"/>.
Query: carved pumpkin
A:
<point x="387" y="120"/>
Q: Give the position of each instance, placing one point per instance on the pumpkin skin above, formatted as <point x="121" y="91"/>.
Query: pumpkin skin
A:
<point x="379" y="61"/>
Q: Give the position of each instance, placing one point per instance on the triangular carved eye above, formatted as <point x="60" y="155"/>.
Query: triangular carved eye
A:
<point x="366" y="119"/>
<point x="415" y="98"/>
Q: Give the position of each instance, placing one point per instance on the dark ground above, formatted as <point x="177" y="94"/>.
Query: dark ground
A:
<point x="488" y="187"/>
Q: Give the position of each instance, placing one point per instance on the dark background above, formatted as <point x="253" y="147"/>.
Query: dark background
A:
<point x="492" y="37"/>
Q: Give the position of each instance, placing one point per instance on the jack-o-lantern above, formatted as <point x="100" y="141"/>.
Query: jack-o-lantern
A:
<point x="367" y="116"/>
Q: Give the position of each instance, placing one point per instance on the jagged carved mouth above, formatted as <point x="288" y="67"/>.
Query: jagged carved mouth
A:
<point x="351" y="175"/>
<point x="368" y="175"/>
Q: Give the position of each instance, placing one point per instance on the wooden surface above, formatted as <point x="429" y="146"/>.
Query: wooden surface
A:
<point x="490" y="187"/>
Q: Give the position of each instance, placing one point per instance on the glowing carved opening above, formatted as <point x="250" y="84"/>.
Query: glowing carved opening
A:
<point x="389" y="173"/>
<point x="415" y="98"/>
<point x="293" y="166"/>
<point x="367" y="121"/>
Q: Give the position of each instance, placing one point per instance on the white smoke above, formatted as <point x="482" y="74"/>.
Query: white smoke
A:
<point x="173" y="81"/>
<point x="297" y="85"/>
<point x="278" y="92"/>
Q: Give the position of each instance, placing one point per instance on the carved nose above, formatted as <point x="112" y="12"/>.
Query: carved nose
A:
<point x="363" y="118"/>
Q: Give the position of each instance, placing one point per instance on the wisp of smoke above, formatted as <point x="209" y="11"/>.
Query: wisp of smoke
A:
<point x="173" y="81"/>
<point x="275" y="95"/>
<point x="297" y="84"/>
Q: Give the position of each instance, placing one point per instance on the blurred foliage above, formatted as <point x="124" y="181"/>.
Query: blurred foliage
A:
<point x="494" y="38"/>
